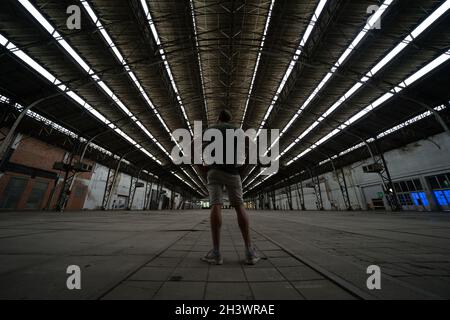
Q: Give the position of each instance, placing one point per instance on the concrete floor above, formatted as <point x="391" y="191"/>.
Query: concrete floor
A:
<point x="156" y="255"/>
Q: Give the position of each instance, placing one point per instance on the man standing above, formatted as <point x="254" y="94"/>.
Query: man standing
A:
<point x="220" y="175"/>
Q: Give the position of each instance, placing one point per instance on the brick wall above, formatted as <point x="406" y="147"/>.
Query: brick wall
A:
<point x="37" y="154"/>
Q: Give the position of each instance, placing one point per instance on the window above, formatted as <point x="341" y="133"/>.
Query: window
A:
<point x="79" y="191"/>
<point x="404" y="186"/>
<point x="410" y="185"/>
<point x="405" y="199"/>
<point x="433" y="183"/>
<point x="37" y="195"/>
<point x="441" y="181"/>
<point x="13" y="193"/>
<point x="443" y="197"/>
<point x="418" y="185"/>
<point x="420" y="199"/>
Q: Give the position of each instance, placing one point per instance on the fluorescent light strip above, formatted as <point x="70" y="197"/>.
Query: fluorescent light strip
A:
<point x="39" y="17"/>
<point x="4" y="99"/>
<point x="342" y="59"/>
<point x="130" y="74"/>
<point x="373" y="71"/>
<point x="176" y="175"/>
<point x="197" y="46"/>
<point x="261" y="46"/>
<point x="410" y="122"/>
<point x="260" y="182"/>
<point x="190" y="177"/>
<point x="133" y="79"/>
<point x="248" y="175"/>
<point x="379" y="136"/>
<point x="67" y="132"/>
<point x="297" y="54"/>
<point x="384" y="98"/>
<point x="65" y="45"/>
<point x="164" y="59"/>
<point x="71" y="94"/>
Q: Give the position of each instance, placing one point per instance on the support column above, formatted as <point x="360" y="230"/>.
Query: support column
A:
<point x="133" y="186"/>
<point x="274" y="200"/>
<point x="385" y="175"/>
<point x="340" y="178"/>
<point x="158" y="194"/>
<point x="317" y="190"/>
<point x="110" y="185"/>
<point x="301" y="195"/>
<point x="69" y="177"/>
<point x="289" y="194"/>
<point x="148" y="204"/>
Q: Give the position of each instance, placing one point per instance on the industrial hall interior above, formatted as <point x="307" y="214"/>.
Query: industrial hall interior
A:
<point x="116" y="180"/>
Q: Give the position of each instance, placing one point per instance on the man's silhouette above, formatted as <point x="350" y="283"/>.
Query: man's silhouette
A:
<point x="220" y="175"/>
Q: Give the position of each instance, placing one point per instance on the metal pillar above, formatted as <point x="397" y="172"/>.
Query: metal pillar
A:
<point x="146" y="191"/>
<point x="385" y="175"/>
<point x="52" y="194"/>
<point x="154" y="204"/>
<point x="64" y="195"/>
<point x="317" y="190"/>
<point x="145" y="195"/>
<point x="148" y="202"/>
<point x="9" y="139"/>
<point x="158" y="194"/>
<point x="272" y="196"/>
<point x="386" y="181"/>
<point x="131" y="191"/>
<point x="83" y="153"/>
<point x="69" y="179"/>
<point x="106" y="188"/>
<point x="301" y="195"/>
<point x="110" y="185"/>
<point x="340" y="178"/>
<point x="190" y="203"/>
<point x="289" y="195"/>
<point x="261" y="201"/>
<point x="172" y="200"/>
<point x="133" y="187"/>
<point x="344" y="189"/>
<point x="181" y="204"/>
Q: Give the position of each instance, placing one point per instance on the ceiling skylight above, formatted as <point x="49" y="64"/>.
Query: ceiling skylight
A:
<point x="373" y="71"/>
<point x="164" y="59"/>
<point x="258" y="58"/>
<point x="72" y="95"/>
<point x="378" y="102"/>
<point x="296" y="56"/>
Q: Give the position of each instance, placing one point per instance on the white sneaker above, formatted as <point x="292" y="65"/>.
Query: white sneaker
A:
<point x="213" y="257"/>
<point x="251" y="257"/>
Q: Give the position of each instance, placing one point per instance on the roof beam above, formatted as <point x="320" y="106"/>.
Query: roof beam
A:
<point x="86" y="67"/>
<point x="258" y="58"/>
<point x="430" y="67"/>
<point x="370" y="74"/>
<point x="303" y="40"/>
<point x="132" y="77"/>
<point x="65" y="90"/>
<point x="162" y="53"/>
<point x="199" y="59"/>
<point x="400" y="47"/>
<point x="381" y="135"/>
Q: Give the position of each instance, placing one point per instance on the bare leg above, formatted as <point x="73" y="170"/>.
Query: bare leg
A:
<point x="244" y="224"/>
<point x="216" y="224"/>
